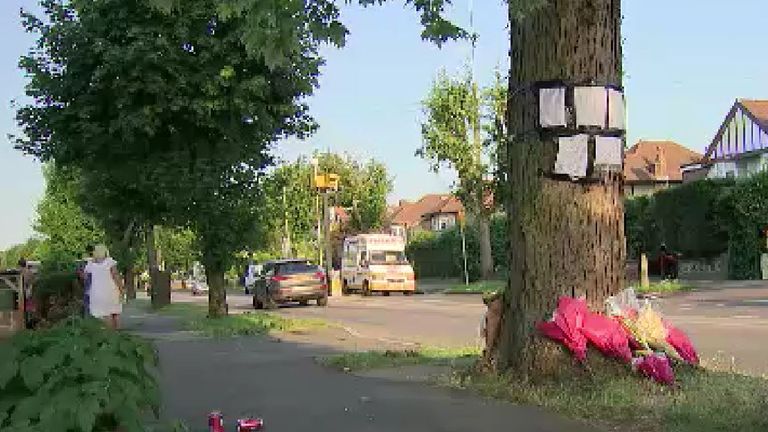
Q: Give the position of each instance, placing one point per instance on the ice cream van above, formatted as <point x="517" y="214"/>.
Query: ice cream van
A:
<point x="376" y="263"/>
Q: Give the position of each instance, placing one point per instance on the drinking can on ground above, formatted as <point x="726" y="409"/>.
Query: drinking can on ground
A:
<point x="215" y="422"/>
<point x="249" y="424"/>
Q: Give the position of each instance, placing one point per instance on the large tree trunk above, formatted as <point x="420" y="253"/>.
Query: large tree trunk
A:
<point x="486" y="254"/>
<point x="217" y="290"/>
<point x="565" y="238"/>
<point x="160" y="282"/>
<point x="130" y="282"/>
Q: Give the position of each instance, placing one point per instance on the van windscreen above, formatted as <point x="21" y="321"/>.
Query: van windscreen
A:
<point x="388" y="257"/>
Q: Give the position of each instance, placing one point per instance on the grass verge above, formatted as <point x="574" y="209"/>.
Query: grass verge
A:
<point x="194" y="318"/>
<point x="481" y="287"/>
<point x="608" y="398"/>
<point x="702" y="400"/>
<point x="361" y="361"/>
<point x="663" y="287"/>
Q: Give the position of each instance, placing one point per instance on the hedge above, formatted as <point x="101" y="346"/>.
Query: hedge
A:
<point x="690" y="219"/>
<point x="439" y="255"/>
<point x="704" y="219"/>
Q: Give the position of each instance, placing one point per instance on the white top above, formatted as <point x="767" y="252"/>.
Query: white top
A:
<point x="104" y="296"/>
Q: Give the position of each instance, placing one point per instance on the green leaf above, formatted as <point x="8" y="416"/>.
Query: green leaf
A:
<point x="30" y="372"/>
<point x="9" y="367"/>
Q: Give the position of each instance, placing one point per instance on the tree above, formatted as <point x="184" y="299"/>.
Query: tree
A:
<point x="10" y="257"/>
<point x="171" y="107"/>
<point x="65" y="228"/>
<point x="290" y="201"/>
<point x="565" y="238"/>
<point x="453" y="136"/>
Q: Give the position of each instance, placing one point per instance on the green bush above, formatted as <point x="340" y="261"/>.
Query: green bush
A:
<point x="440" y="254"/>
<point x="747" y="208"/>
<point x="58" y="295"/>
<point x="77" y="377"/>
<point x="690" y="219"/>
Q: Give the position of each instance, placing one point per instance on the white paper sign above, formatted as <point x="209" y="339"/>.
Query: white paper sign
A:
<point x="552" y="107"/>
<point x="616" y="110"/>
<point x="608" y="151"/>
<point x="591" y="104"/>
<point x="572" y="156"/>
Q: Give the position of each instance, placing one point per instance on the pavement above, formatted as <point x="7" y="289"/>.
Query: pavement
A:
<point x="278" y="378"/>
<point x="725" y="320"/>
<point x="280" y="381"/>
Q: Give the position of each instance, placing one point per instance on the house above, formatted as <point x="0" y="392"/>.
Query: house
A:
<point x="740" y="146"/>
<point x="434" y="212"/>
<point x="650" y="166"/>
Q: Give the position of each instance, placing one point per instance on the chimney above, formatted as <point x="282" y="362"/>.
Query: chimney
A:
<point x="660" y="165"/>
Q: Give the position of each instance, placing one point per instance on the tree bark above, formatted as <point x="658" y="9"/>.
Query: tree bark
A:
<point x="486" y="254"/>
<point x="217" y="291"/>
<point x="565" y="239"/>
<point x="130" y="282"/>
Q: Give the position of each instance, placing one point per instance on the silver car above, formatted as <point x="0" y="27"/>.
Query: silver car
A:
<point x="291" y="280"/>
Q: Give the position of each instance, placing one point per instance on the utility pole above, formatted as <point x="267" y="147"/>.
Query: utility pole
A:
<point x="327" y="239"/>
<point x="287" y="232"/>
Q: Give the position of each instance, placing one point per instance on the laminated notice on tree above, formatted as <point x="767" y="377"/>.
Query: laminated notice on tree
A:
<point x="608" y="153"/>
<point x="591" y="104"/>
<point x="552" y="107"/>
<point x="572" y="156"/>
<point x="616" y="110"/>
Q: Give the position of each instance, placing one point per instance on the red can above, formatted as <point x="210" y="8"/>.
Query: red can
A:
<point x="215" y="422"/>
<point x="250" y="425"/>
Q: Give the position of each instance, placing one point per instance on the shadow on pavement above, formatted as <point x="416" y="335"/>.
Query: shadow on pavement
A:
<point x="282" y="382"/>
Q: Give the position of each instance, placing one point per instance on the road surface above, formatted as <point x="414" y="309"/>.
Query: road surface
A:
<point x="728" y="322"/>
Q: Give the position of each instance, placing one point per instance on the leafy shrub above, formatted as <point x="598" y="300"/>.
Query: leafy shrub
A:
<point x="747" y="207"/>
<point x="77" y="377"/>
<point x="689" y="219"/>
<point x="58" y="295"/>
<point x="440" y="254"/>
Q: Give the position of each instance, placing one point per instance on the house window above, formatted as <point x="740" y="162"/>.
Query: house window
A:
<point x="443" y="226"/>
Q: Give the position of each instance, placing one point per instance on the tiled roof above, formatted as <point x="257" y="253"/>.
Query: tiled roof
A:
<point x="758" y="108"/>
<point x="643" y="158"/>
<point x="411" y="214"/>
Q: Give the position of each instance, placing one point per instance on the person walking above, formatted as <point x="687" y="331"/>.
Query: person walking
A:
<point x="105" y="287"/>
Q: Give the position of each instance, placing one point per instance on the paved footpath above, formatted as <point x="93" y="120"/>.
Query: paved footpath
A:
<point x="281" y="382"/>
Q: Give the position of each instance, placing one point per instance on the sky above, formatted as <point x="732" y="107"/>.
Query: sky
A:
<point x="686" y="61"/>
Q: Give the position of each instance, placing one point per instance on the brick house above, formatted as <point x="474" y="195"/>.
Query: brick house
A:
<point x="650" y="166"/>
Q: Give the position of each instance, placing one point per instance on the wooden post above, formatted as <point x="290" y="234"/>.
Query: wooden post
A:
<point x="644" y="271"/>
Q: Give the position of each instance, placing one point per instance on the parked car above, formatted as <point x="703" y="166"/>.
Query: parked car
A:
<point x="290" y="280"/>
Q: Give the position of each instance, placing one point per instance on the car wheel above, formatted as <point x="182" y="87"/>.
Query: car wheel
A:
<point x="344" y="288"/>
<point x="366" y="289"/>
<point x="257" y="304"/>
<point x="304" y="302"/>
<point x="407" y="293"/>
<point x="322" y="301"/>
<point x="385" y="293"/>
<point x="247" y="291"/>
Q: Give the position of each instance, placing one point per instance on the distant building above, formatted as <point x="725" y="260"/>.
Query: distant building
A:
<point x="650" y="166"/>
<point x="740" y="146"/>
<point x="432" y="212"/>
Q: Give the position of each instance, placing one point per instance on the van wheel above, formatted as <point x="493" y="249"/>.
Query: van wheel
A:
<point x="304" y="302"/>
<point x="366" y="289"/>
<point x="385" y="293"/>
<point x="322" y="301"/>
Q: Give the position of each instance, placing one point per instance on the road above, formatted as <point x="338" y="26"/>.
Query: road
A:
<point x="728" y="322"/>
